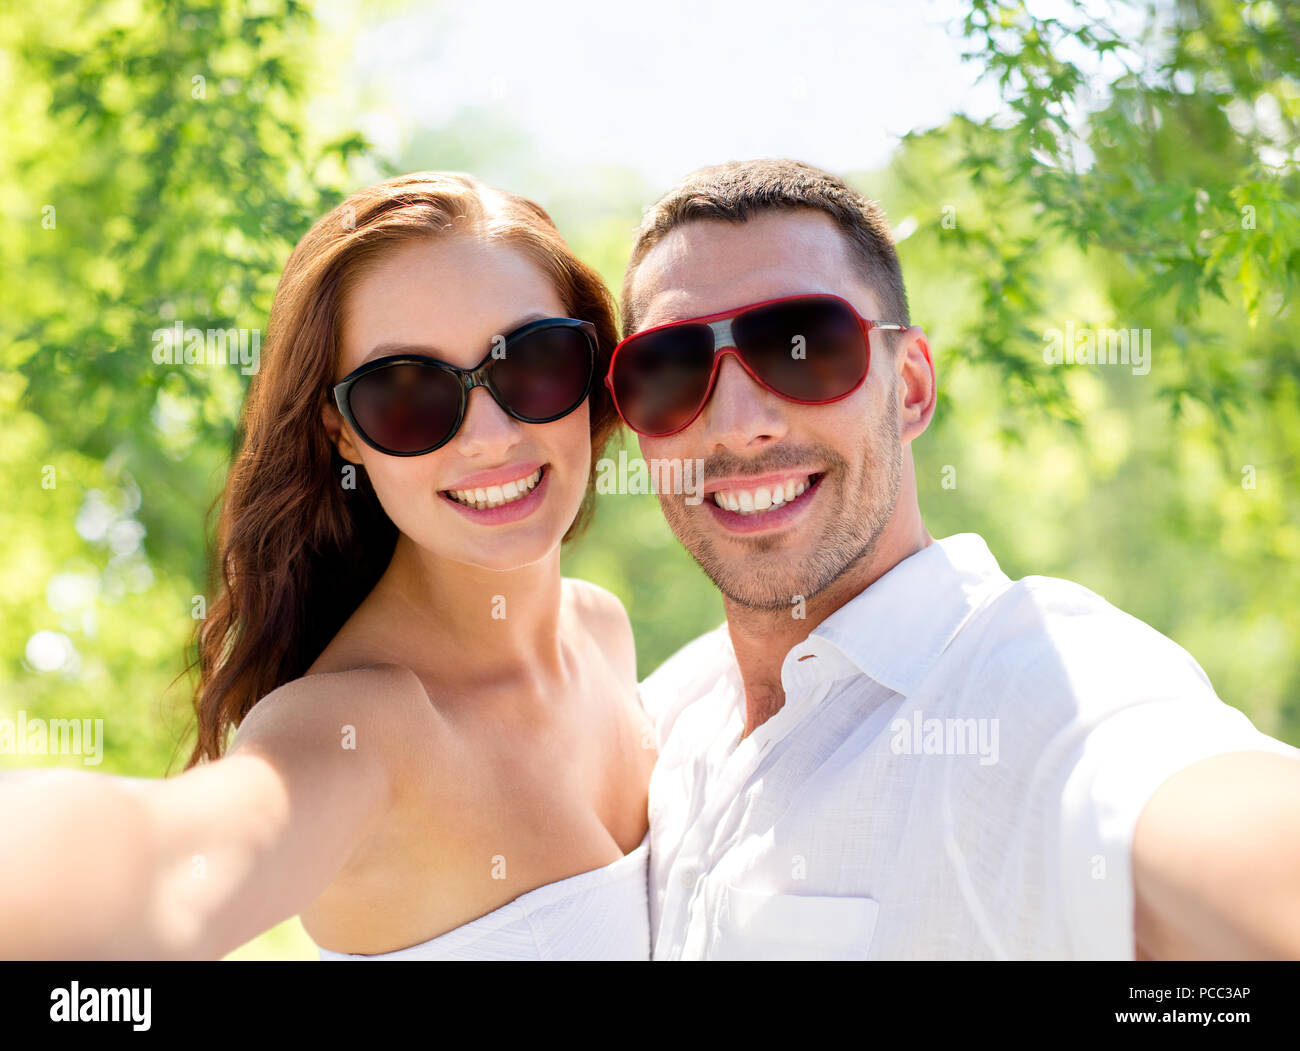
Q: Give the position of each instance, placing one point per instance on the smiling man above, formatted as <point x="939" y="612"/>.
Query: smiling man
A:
<point x="890" y="749"/>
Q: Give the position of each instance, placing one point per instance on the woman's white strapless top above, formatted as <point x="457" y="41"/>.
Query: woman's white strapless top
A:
<point x="602" y="914"/>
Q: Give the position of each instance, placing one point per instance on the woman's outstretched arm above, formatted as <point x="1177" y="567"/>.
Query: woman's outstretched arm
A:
<point x="95" y="866"/>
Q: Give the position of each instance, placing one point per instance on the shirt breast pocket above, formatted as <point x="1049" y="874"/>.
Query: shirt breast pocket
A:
<point x="756" y="925"/>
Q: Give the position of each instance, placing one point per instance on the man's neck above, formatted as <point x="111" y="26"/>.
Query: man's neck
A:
<point x="762" y="638"/>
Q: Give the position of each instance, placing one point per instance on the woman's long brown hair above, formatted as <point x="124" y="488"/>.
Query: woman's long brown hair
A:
<point x="297" y="550"/>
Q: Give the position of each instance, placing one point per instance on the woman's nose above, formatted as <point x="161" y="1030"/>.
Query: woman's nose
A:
<point x="487" y="428"/>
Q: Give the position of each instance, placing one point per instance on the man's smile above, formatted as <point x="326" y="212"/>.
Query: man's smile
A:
<point x="763" y="504"/>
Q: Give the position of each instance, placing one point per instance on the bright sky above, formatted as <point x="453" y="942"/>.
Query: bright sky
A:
<point x="664" y="86"/>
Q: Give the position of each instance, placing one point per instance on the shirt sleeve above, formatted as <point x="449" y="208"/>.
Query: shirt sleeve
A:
<point x="1116" y="769"/>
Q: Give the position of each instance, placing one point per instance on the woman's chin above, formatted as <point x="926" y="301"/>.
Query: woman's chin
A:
<point x="503" y="552"/>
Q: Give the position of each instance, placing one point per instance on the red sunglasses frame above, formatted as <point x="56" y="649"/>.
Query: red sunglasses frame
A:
<point x="724" y="343"/>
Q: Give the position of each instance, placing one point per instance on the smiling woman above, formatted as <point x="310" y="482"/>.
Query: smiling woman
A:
<point x="392" y="640"/>
<point x="362" y="277"/>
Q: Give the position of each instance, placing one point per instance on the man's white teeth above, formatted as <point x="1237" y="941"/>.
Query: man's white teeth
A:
<point x="763" y="498"/>
<point x="496" y="495"/>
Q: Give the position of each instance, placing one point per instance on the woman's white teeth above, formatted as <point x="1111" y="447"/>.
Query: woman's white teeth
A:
<point x="496" y="495"/>
<point x="763" y="498"/>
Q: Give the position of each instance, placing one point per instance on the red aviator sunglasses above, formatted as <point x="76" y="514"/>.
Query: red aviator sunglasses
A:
<point x="810" y="349"/>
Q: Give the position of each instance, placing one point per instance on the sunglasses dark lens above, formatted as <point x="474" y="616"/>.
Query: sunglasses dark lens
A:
<point x="660" y="379"/>
<point x="813" y="350"/>
<point x="406" y="408"/>
<point x="545" y="373"/>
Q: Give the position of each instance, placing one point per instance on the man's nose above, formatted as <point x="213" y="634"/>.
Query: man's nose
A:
<point x="742" y="415"/>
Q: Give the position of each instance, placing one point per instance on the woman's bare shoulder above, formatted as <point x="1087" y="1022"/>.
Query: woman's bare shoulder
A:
<point x="379" y="710"/>
<point x="601" y="613"/>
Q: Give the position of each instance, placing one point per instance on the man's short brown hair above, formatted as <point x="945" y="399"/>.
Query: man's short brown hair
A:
<point x="738" y="190"/>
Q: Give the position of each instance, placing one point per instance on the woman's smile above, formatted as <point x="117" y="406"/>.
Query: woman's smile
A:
<point x="501" y="504"/>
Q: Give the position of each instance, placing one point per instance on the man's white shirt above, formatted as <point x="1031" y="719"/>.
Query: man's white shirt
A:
<point x="956" y="773"/>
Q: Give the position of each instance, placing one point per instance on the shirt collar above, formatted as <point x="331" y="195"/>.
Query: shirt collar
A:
<point x="894" y="630"/>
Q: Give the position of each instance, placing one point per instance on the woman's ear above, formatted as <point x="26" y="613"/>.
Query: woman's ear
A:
<point x="340" y="433"/>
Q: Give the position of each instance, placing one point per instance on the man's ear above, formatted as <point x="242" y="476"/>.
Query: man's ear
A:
<point x="917" y="386"/>
<point x="340" y="433"/>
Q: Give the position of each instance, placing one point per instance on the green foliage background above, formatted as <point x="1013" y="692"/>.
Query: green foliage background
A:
<point x="1145" y="183"/>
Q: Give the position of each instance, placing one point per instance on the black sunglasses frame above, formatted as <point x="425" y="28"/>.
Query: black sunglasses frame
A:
<point x="479" y="376"/>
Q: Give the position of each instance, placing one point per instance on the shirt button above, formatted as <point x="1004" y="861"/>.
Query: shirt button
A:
<point x="688" y="878"/>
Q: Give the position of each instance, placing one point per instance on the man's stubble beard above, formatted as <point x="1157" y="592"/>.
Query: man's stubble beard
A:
<point x="846" y="540"/>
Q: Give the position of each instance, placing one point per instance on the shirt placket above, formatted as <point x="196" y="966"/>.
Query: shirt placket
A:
<point x="804" y="689"/>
